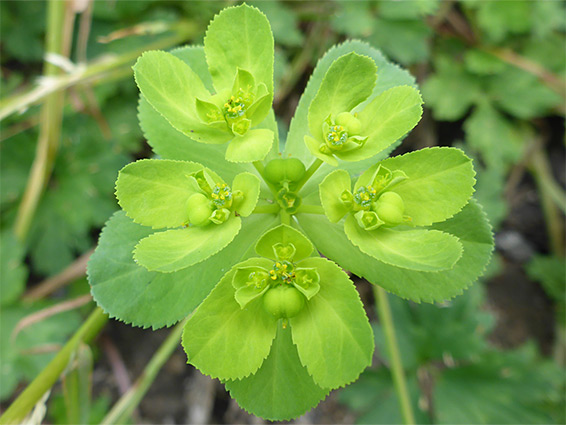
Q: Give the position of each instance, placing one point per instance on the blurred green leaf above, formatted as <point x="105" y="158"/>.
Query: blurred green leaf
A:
<point x="353" y="18"/>
<point x="407" y="9"/>
<point x="375" y="401"/>
<point x="550" y="272"/>
<point x="483" y="63"/>
<point x="497" y="19"/>
<point x="13" y="273"/>
<point x="490" y="133"/>
<point x="410" y="43"/>
<point x="451" y="91"/>
<point x="25" y="356"/>
<point x="513" y="387"/>
<point x="522" y="95"/>
<point x="283" y="22"/>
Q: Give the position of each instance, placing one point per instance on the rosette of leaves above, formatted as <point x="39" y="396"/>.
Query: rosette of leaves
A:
<point x="279" y="325"/>
<point x="239" y="53"/>
<point x="391" y="203"/>
<point x="200" y="209"/>
<point x="344" y="125"/>
<point x="304" y="327"/>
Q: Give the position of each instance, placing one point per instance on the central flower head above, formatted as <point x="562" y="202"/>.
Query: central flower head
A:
<point x="365" y="196"/>
<point x="336" y="136"/>
<point x="221" y="196"/>
<point x="283" y="270"/>
<point x="234" y="108"/>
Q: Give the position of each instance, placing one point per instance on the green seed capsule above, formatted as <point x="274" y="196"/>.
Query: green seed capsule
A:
<point x="352" y="124"/>
<point x="200" y="209"/>
<point x="294" y="169"/>
<point x="279" y="170"/>
<point x="283" y="301"/>
<point x="390" y="208"/>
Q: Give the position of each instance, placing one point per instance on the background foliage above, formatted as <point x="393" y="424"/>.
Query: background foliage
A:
<point x="492" y="75"/>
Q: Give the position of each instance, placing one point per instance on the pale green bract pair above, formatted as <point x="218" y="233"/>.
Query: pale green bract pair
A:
<point x="225" y="228"/>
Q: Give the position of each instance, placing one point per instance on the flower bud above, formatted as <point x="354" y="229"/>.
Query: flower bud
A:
<point x="200" y="209"/>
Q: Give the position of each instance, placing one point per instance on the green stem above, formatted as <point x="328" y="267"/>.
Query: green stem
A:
<point x="50" y="374"/>
<point x="123" y="409"/>
<point x="397" y="371"/>
<point x="266" y="209"/>
<point x="310" y="209"/>
<point x="311" y="170"/>
<point x="285" y="217"/>
<point x="58" y="40"/>
<point x="552" y="198"/>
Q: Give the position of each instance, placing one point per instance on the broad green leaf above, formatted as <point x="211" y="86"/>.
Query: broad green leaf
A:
<point x="13" y="273"/>
<point x="331" y="190"/>
<point x="170" y="143"/>
<point x="440" y="182"/>
<point x="225" y="341"/>
<point x="385" y="119"/>
<point x="419" y="249"/>
<point x="155" y="192"/>
<point x="388" y="75"/>
<point x="176" y="249"/>
<point x="348" y="82"/>
<point x="284" y="236"/>
<point x="332" y="333"/>
<point x="314" y="147"/>
<point x="281" y="389"/>
<point x="171" y="87"/>
<point x="252" y="146"/>
<point x="239" y="37"/>
<point x="248" y="184"/>
<point x="132" y="294"/>
<point x="469" y="226"/>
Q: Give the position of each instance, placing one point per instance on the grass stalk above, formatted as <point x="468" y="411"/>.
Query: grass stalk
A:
<point x="396" y="365"/>
<point x="123" y="409"/>
<point x="50" y="374"/>
<point x="58" y="41"/>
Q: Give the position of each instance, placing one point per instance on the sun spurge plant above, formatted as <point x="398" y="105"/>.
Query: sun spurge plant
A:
<point x="229" y="229"/>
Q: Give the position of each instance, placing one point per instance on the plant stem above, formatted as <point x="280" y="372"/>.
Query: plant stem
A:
<point x="58" y="41"/>
<point x="552" y="197"/>
<point x="285" y="217"/>
<point x="310" y="209"/>
<point x="123" y="409"/>
<point x="50" y="374"/>
<point x="311" y="170"/>
<point x="397" y="371"/>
